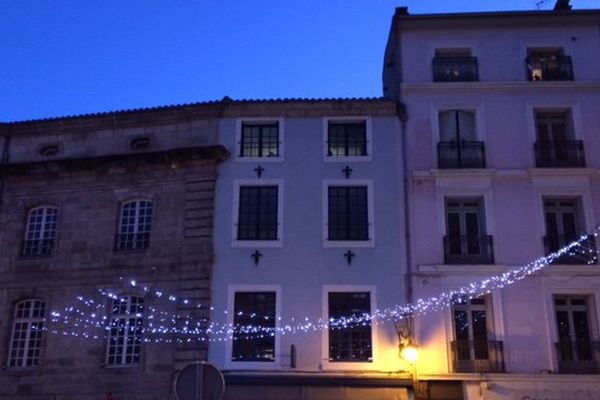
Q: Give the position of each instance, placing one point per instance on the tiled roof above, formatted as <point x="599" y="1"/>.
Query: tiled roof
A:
<point x="223" y="102"/>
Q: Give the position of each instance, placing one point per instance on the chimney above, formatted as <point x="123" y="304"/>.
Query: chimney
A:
<point x="562" y="5"/>
<point x="401" y="10"/>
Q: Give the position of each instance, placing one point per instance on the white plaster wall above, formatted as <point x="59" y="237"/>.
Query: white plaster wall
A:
<point x="511" y="186"/>
<point x="501" y="51"/>
<point x="302" y="267"/>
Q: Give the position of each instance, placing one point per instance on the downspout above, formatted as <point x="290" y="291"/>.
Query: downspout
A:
<point x="406" y="200"/>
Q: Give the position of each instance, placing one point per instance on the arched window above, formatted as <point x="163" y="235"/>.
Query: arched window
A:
<point x="125" y="331"/>
<point x="40" y="232"/>
<point x="27" y="333"/>
<point x="135" y="223"/>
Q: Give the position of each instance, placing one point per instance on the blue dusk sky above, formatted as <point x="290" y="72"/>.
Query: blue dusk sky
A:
<point x="69" y="57"/>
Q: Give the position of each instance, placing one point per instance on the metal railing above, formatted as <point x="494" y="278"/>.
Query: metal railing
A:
<point x="579" y="357"/>
<point x="565" y="153"/>
<point x="481" y="356"/>
<point x="37" y="247"/>
<point x="463" y="154"/>
<point x="468" y="249"/>
<point x="557" y="68"/>
<point x="585" y="253"/>
<point x="455" y="69"/>
<point x="132" y="241"/>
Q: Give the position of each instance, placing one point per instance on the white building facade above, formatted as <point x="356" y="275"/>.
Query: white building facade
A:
<point x="306" y="229"/>
<point x="502" y="135"/>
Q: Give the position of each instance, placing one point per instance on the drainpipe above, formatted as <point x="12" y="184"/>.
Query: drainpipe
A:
<point x="406" y="199"/>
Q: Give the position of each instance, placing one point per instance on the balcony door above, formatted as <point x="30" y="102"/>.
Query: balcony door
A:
<point x="466" y="238"/>
<point x="474" y="348"/>
<point x="562" y="225"/>
<point x="457" y="126"/>
<point x="576" y="351"/>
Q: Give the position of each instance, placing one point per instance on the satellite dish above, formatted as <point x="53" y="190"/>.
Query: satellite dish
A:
<point x="199" y="381"/>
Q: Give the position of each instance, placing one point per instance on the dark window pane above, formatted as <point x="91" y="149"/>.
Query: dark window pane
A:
<point x="257" y="219"/>
<point x="347" y="139"/>
<point x="348" y="213"/>
<point x="260" y="140"/>
<point x="254" y="309"/>
<point x="351" y="342"/>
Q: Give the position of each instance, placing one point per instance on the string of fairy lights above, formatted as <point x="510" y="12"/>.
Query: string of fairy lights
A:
<point x="94" y="318"/>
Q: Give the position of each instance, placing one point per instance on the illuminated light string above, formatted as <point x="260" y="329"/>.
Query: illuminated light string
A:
<point x="168" y="327"/>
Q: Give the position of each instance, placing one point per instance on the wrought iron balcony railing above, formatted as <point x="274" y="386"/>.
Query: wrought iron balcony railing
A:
<point x="584" y="253"/>
<point x="580" y="357"/>
<point x="132" y="241"/>
<point x="461" y="154"/>
<point x="559" y="154"/>
<point x="468" y="249"/>
<point x="480" y="356"/>
<point x="455" y="69"/>
<point x="557" y="68"/>
<point x="37" y="247"/>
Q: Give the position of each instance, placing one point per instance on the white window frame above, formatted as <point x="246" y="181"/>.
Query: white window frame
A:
<point x="593" y="295"/>
<point x="455" y="188"/>
<point x="476" y="107"/>
<point x="236" y="213"/>
<point x="43" y="230"/>
<point x="29" y="320"/>
<point x="572" y="107"/>
<point x="341" y="365"/>
<point x="434" y="45"/>
<point x="262" y="120"/>
<point x="112" y="317"/>
<point x="370" y="213"/>
<point x="350" y="119"/>
<point x="562" y="187"/>
<point x="136" y="223"/>
<point x="260" y="365"/>
<point x="497" y="318"/>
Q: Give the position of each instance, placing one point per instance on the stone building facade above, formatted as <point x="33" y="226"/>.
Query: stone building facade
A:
<point x="86" y="204"/>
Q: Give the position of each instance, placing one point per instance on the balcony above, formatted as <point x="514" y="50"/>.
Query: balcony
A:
<point x="581" y="357"/>
<point x="455" y="69"/>
<point x="132" y="241"/>
<point x="468" y="249"/>
<point x="37" y="247"/>
<point x="555" y="68"/>
<point x="461" y="155"/>
<point x="477" y="356"/>
<point x="584" y="254"/>
<point x="559" y="154"/>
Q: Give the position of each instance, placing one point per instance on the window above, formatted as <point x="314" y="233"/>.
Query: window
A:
<point x="134" y="225"/>
<point x="40" y="232"/>
<point x="556" y="145"/>
<point x="259" y="139"/>
<point x="454" y="65"/>
<point x="548" y="64"/>
<point x="254" y="309"/>
<point x="258" y="213"/>
<point x="125" y="331"/>
<point x="458" y="146"/>
<point x="347" y="139"/>
<point x="351" y="342"/>
<point x="466" y="241"/>
<point x="27" y="334"/>
<point x="474" y="349"/>
<point x="564" y="224"/>
<point x="576" y="351"/>
<point x="348" y="216"/>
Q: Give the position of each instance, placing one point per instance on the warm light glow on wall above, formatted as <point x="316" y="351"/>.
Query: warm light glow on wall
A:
<point x="409" y="352"/>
